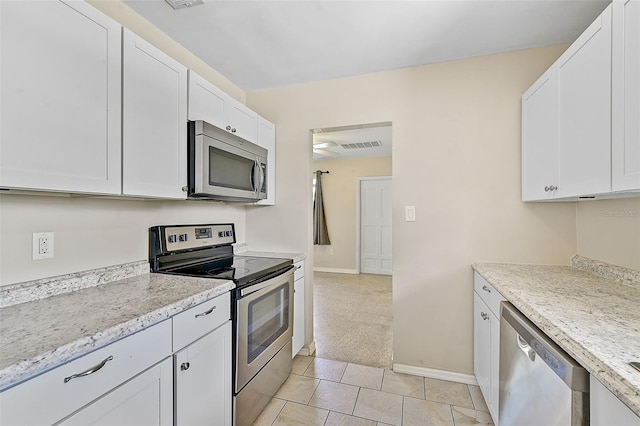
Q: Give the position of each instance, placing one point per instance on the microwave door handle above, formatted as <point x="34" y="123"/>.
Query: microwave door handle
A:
<point x="262" y="177"/>
<point x="256" y="166"/>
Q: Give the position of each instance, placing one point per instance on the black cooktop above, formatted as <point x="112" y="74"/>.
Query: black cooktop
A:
<point x="241" y="269"/>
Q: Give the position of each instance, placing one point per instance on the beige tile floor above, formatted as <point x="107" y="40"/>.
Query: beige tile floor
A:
<point x="331" y="393"/>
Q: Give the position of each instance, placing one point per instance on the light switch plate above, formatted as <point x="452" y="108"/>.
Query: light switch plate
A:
<point x="410" y="213"/>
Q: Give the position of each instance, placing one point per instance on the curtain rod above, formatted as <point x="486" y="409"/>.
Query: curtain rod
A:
<point x="322" y="173"/>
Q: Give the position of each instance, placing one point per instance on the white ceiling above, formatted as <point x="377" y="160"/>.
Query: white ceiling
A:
<point x="260" y="44"/>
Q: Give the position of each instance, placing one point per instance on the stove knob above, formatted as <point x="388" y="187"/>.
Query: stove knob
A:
<point x="172" y="238"/>
<point x="183" y="237"/>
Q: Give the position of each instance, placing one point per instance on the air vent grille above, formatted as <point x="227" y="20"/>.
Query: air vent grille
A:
<point x="361" y="145"/>
<point x="181" y="4"/>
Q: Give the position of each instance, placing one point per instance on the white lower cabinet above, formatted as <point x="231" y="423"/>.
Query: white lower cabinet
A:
<point x="56" y="394"/>
<point x="203" y="380"/>
<point x="606" y="409"/>
<point x="486" y="341"/>
<point x="298" y="309"/>
<point x="136" y="380"/>
<point x="147" y="399"/>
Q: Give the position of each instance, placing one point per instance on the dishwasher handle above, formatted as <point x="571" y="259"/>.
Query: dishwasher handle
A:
<point x="561" y="363"/>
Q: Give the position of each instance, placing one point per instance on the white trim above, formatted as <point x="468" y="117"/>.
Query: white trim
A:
<point x="358" y="185"/>
<point x="468" y="379"/>
<point x="335" y="270"/>
<point x="308" y="350"/>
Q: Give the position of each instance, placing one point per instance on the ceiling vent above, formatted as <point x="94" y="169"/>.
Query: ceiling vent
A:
<point x="181" y="4"/>
<point x="361" y="145"/>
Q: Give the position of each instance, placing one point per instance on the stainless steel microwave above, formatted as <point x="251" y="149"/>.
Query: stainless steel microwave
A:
<point x="223" y="166"/>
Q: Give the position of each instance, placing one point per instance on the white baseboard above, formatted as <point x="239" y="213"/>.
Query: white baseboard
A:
<point x="308" y="350"/>
<point x="468" y="379"/>
<point x="335" y="270"/>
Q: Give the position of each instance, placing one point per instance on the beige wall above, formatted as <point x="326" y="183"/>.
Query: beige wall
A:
<point x="609" y="230"/>
<point x="340" y="189"/>
<point x="456" y="157"/>
<point x="92" y="233"/>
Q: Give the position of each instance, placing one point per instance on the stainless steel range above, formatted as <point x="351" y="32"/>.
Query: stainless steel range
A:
<point x="261" y="305"/>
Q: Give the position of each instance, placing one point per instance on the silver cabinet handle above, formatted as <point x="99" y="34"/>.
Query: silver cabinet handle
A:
<point x="550" y="188"/>
<point x="90" y="370"/>
<point x="487" y="289"/>
<point x="484" y="316"/>
<point x="185" y="188"/>
<point x="228" y="127"/>
<point x="546" y="189"/>
<point x="185" y="366"/>
<point x="233" y="130"/>
<point x="204" y="314"/>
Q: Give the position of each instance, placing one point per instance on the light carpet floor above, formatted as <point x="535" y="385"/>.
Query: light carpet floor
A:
<point x="353" y="318"/>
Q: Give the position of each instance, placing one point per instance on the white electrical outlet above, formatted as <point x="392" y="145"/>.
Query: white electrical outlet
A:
<point x="42" y="245"/>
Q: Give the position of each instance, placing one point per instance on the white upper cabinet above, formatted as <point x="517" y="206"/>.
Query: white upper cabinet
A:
<point x="584" y="112"/>
<point x="60" y="97"/>
<point x="208" y="103"/>
<point x="267" y="139"/>
<point x="540" y="138"/>
<point x="568" y="133"/>
<point x="625" y="147"/>
<point x="154" y="141"/>
<point x="242" y="121"/>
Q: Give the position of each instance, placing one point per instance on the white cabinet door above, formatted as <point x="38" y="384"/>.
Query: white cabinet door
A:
<point x="203" y="380"/>
<point x="625" y="149"/>
<point x="540" y="138"/>
<point x="146" y="399"/>
<point x="60" y="97"/>
<point x="482" y="346"/>
<point x="206" y="101"/>
<point x="267" y="139"/>
<point x="242" y="121"/>
<point x="298" y="309"/>
<point x="606" y="409"/>
<point x="584" y="112"/>
<point x="154" y="157"/>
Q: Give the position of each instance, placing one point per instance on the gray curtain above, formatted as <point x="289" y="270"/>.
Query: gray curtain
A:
<point x="320" y="232"/>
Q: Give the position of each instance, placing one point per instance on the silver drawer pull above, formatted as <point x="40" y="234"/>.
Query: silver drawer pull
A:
<point x="485" y="288"/>
<point x="185" y="366"/>
<point x="484" y="316"/>
<point x="89" y="371"/>
<point x="206" y="313"/>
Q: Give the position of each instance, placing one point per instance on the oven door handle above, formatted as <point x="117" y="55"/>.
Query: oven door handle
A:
<point x="264" y="281"/>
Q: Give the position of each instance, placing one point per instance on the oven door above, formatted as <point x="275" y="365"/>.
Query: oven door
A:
<point x="264" y="324"/>
<point x="227" y="171"/>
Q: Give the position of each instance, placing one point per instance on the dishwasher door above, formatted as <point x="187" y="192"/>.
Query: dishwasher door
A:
<point x="540" y="384"/>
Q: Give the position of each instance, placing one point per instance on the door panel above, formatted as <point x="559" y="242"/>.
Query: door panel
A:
<point x="375" y="226"/>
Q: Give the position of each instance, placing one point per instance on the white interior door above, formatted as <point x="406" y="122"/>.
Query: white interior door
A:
<point x="375" y="226"/>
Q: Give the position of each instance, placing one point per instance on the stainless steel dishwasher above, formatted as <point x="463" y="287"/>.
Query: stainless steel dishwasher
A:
<point x="540" y="384"/>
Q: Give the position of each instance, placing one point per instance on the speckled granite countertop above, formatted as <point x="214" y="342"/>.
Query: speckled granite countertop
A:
<point x="594" y="319"/>
<point x="40" y="334"/>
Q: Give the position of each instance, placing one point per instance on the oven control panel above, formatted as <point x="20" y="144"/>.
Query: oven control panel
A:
<point x="193" y="236"/>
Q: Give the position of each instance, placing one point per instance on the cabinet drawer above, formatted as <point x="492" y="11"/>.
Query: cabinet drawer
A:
<point x="487" y="293"/>
<point x="299" y="273"/>
<point x="195" y="322"/>
<point x="47" y="398"/>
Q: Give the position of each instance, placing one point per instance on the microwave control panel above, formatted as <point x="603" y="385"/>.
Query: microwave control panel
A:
<point x="186" y="237"/>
